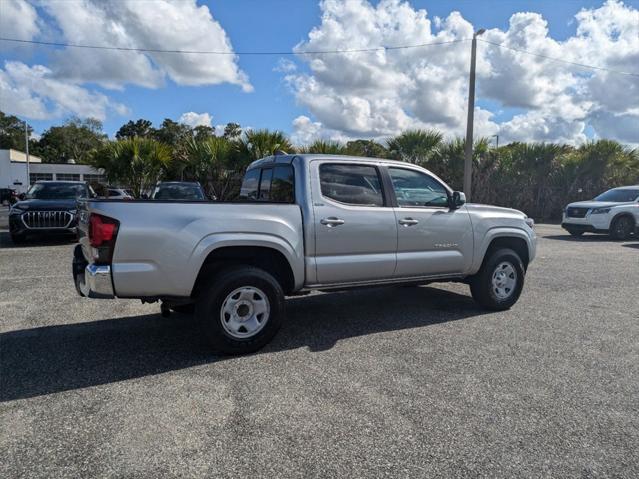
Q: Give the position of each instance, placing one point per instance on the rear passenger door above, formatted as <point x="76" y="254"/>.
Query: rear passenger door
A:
<point x="355" y="226"/>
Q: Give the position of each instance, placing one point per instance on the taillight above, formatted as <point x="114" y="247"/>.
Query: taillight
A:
<point x="102" y="234"/>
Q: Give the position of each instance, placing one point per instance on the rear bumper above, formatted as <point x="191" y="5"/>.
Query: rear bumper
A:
<point x="91" y="280"/>
<point x="97" y="279"/>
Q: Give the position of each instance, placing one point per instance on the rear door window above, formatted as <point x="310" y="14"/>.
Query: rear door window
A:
<point x="357" y="185"/>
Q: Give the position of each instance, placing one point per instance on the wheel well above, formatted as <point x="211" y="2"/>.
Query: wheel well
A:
<point x="268" y="259"/>
<point x="625" y="214"/>
<point x="518" y="245"/>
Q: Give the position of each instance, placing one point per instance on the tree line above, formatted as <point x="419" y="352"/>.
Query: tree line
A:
<point x="537" y="178"/>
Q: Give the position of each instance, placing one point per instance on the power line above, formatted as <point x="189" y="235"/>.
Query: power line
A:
<point x="214" y="52"/>
<point x="311" y="52"/>
<point x="582" y="65"/>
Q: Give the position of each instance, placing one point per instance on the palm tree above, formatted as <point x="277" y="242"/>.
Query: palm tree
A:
<point x="209" y="162"/>
<point x="415" y="146"/>
<point x="256" y="144"/>
<point x="328" y="147"/>
<point x="366" y="148"/>
<point x="135" y="162"/>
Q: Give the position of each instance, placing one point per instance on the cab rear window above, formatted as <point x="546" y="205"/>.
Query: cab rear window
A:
<point x="272" y="184"/>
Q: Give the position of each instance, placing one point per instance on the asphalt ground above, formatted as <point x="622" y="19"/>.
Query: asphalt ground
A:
<point x="397" y="382"/>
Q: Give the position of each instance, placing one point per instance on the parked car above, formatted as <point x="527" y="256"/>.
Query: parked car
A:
<point x="119" y="193"/>
<point x="303" y="222"/>
<point x="49" y="207"/>
<point x="615" y="212"/>
<point x="179" y="190"/>
<point x="8" y="195"/>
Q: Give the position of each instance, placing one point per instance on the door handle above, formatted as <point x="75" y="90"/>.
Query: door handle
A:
<point x="331" y="221"/>
<point x="408" y="222"/>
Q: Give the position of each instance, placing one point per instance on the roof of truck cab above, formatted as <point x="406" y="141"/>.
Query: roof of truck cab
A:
<point x="288" y="159"/>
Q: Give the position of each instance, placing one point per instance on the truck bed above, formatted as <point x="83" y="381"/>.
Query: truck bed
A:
<point x="161" y="245"/>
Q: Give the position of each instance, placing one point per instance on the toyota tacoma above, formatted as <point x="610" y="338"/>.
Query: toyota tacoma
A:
<point x="302" y="223"/>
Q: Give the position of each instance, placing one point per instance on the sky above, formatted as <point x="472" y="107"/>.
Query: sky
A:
<point x="341" y="96"/>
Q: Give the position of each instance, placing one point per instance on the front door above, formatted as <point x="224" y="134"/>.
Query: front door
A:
<point x="355" y="227"/>
<point x="432" y="239"/>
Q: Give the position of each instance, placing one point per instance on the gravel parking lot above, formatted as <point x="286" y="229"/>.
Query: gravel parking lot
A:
<point x="407" y="382"/>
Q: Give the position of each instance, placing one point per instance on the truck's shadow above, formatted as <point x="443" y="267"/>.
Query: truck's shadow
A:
<point x="51" y="359"/>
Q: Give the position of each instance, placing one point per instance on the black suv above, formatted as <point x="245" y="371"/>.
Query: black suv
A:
<point x="179" y="190"/>
<point x="48" y="207"/>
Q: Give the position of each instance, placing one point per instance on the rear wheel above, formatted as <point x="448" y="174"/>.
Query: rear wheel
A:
<point x="499" y="282"/>
<point x="240" y="310"/>
<point x="621" y="228"/>
<point x="77" y="269"/>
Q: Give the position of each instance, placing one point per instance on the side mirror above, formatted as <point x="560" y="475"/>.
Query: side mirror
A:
<point x="457" y="200"/>
<point x="22" y="196"/>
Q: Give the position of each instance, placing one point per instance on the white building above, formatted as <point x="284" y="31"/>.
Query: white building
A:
<point x="13" y="171"/>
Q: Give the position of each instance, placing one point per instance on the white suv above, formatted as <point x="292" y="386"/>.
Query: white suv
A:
<point x="615" y="212"/>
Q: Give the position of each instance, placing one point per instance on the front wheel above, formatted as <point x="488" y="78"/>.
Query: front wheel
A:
<point x="499" y="282"/>
<point x="621" y="228"/>
<point x="240" y="310"/>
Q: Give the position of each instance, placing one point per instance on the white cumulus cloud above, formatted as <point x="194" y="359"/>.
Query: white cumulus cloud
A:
<point x="182" y="25"/>
<point x="160" y="25"/>
<point x="381" y="93"/>
<point x="196" y="119"/>
<point x="34" y="92"/>
<point x="18" y="19"/>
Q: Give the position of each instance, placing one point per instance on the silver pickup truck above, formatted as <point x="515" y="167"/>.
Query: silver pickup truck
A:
<point x="302" y="223"/>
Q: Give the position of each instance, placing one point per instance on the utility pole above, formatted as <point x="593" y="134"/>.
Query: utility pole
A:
<point x="468" y="160"/>
<point x="26" y="149"/>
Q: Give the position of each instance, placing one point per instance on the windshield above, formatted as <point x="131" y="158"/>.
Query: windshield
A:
<point x="619" y="196"/>
<point x="178" y="192"/>
<point x="57" y="191"/>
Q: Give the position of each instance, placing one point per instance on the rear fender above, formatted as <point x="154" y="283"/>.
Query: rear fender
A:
<point x="215" y="241"/>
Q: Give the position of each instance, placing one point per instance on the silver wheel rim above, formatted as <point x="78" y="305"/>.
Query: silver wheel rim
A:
<point x="245" y="311"/>
<point x="504" y="280"/>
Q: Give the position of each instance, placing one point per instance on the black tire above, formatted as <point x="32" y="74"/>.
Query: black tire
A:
<point x="77" y="269"/>
<point x="184" y="308"/>
<point x="18" y="238"/>
<point x="621" y="228"/>
<point x="575" y="233"/>
<point x="481" y="284"/>
<point x="211" y="300"/>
